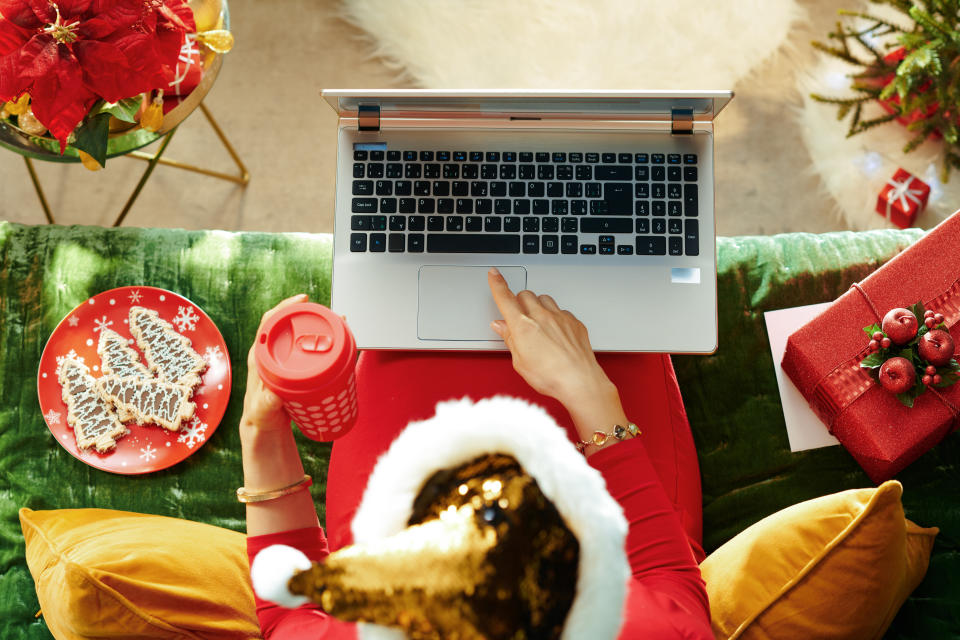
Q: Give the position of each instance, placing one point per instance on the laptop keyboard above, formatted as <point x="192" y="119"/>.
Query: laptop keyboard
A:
<point x="494" y="202"/>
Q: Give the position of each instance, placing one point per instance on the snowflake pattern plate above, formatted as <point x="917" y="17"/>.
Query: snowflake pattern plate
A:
<point x="145" y="448"/>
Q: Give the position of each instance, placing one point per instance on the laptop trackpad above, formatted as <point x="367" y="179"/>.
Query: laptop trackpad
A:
<point x="455" y="302"/>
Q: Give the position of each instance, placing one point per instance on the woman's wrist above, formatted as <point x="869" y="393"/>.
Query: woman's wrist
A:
<point x="270" y="457"/>
<point x="597" y="408"/>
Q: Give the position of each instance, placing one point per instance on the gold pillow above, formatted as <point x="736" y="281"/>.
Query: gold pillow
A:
<point x="839" y="566"/>
<point x="102" y="573"/>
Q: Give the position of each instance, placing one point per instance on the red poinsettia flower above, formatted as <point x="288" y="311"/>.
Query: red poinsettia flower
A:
<point x="67" y="54"/>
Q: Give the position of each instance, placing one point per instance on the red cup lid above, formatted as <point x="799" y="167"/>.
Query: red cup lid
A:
<point x="303" y="346"/>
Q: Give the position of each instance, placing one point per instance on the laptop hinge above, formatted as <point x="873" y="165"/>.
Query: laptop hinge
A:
<point x="681" y="120"/>
<point x="368" y="117"/>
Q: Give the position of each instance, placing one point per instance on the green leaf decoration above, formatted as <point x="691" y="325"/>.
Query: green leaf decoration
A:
<point x="125" y="110"/>
<point x="873" y="360"/>
<point x="872" y="329"/>
<point x="92" y="136"/>
<point x="917" y="310"/>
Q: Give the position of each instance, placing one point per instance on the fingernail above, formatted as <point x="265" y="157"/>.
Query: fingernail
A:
<point x="495" y="272"/>
<point x="495" y="325"/>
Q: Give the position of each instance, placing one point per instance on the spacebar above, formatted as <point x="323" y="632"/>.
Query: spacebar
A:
<point x="472" y="243"/>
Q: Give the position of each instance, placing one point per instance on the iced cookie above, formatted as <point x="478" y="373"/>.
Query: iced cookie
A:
<point x="93" y="421"/>
<point x="167" y="352"/>
<point x="149" y="401"/>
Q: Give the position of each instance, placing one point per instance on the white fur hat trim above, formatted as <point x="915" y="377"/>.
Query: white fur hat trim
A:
<point x="463" y="430"/>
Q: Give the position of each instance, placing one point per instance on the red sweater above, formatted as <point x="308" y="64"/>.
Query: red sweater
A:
<point x="666" y="597"/>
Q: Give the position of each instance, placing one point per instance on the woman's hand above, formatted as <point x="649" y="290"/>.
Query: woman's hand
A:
<point x="262" y="408"/>
<point x="550" y="347"/>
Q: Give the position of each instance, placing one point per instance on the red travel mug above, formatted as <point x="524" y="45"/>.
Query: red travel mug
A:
<point x="307" y="355"/>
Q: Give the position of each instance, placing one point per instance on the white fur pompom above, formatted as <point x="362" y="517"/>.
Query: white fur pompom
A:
<point x="271" y="571"/>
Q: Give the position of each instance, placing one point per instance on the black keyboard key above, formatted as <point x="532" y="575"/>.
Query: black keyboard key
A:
<point x="359" y="155"/>
<point x="508" y="172"/>
<point x="574" y="190"/>
<point x="606" y="250"/>
<point x="593" y="158"/>
<point x="691" y="237"/>
<point x="415" y="243"/>
<point x="434" y="223"/>
<point x="659" y="174"/>
<point x="624" y="158"/>
<point x="641" y="158"/>
<point x="443" y="156"/>
<point x="643" y="226"/>
<point x="674" y="208"/>
<point x="421" y="188"/>
<point x="674" y="226"/>
<point x="544" y="172"/>
<point x="549" y="244"/>
<point x="531" y="225"/>
<point x="518" y="189"/>
<point x="659" y="190"/>
<point x="402" y="188"/>
<point x="394" y="156"/>
<point x="474" y="223"/>
<point x="454" y="223"/>
<point x="416" y="223"/>
<point x="559" y="207"/>
<point x="431" y="171"/>
<point x="624" y="250"/>
<point x="410" y="156"/>
<point x="509" y="156"/>
<point x="673" y="190"/>
<point x="605" y="240"/>
<point x="642" y="190"/>
<point x="642" y="208"/>
<point x="398" y="223"/>
<point x="445" y="205"/>
<point x="441" y="188"/>
<point x="657" y="158"/>
<point x="483" y="206"/>
<point x="364" y="205"/>
<point x="659" y="226"/>
<point x="690" y="174"/>
<point x="651" y="246"/>
<point x="525" y="156"/>
<point x="592" y="189"/>
<point x="588" y="249"/>
<point x="460" y="188"/>
<point x="619" y="198"/>
<point x="521" y="207"/>
<point x="464" y="205"/>
<point x="412" y="171"/>
<point x="426" y="205"/>
<point x="488" y="172"/>
<point x="569" y="225"/>
<point x="527" y="172"/>
<point x="378" y="242"/>
<point x="675" y="246"/>
<point x="536" y="189"/>
<point x="460" y="156"/>
<point x="599" y="208"/>
<point x="360" y="223"/>
<point x="384" y="188"/>
<point x="358" y="242"/>
<point x="584" y="172"/>
<point x="363" y="187"/>
<point x="378" y="223"/>
<point x="673" y="158"/>
<point x="609" y="157"/>
<point x="407" y="205"/>
<point x="498" y="189"/>
<point x="578" y="207"/>
<point x="451" y="171"/>
<point x="511" y="223"/>
<point x="550" y="225"/>
<point x="491" y="224"/>
<point x="396" y="243"/>
<point x="559" y="156"/>
<point x="606" y="225"/>
<point x="543" y="156"/>
<point x="472" y="243"/>
<point x="690" y="199"/>
<point x="394" y="170"/>
<point x="673" y="174"/>
<point x="659" y="208"/>
<point x="375" y="170"/>
<point x="501" y="206"/>
<point x="358" y="170"/>
<point x="568" y="244"/>
<point x="531" y="244"/>
<point x="478" y="189"/>
<point x="642" y="173"/>
<point x="612" y="172"/>
<point x="493" y="156"/>
<point x="576" y="157"/>
<point x="554" y="189"/>
<point x="476" y="156"/>
<point x="541" y="207"/>
<point x="426" y="156"/>
<point x="388" y="205"/>
<point x="689" y="158"/>
<point x="565" y="172"/>
<point x="376" y="156"/>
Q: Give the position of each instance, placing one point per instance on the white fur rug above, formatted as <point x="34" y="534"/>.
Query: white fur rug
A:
<point x="574" y="44"/>
<point x="853" y="170"/>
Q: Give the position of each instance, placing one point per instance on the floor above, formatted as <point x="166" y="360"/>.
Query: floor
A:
<point x="267" y="101"/>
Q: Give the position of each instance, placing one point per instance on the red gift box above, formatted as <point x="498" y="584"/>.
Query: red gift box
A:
<point x="184" y="77"/>
<point x="822" y="358"/>
<point x="903" y="198"/>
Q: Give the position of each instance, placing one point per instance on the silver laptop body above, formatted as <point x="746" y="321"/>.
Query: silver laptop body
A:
<point x="411" y="256"/>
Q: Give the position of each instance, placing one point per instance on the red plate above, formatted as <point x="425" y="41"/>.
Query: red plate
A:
<point x="145" y="448"/>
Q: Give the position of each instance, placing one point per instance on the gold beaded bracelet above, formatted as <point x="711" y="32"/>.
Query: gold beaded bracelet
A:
<point x="600" y="437"/>
<point x="245" y="495"/>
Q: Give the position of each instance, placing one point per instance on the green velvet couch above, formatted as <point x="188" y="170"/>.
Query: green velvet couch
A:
<point x="731" y="397"/>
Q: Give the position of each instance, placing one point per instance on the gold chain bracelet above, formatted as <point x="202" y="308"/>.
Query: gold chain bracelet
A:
<point x="600" y="438"/>
<point x="246" y="495"/>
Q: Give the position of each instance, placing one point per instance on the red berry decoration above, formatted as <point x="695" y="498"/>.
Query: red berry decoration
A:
<point x="936" y="347"/>
<point x="930" y="322"/>
<point x="878" y="336"/>
<point x="930" y="370"/>
<point x="928" y="313"/>
<point x="885" y="343"/>
<point x="897" y="375"/>
<point x="939" y="318"/>
<point x="927" y="380"/>
<point x="937" y="379"/>
<point x="873" y="345"/>
<point x="900" y="325"/>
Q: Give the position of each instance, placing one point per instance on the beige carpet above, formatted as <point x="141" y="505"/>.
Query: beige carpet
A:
<point x="267" y="100"/>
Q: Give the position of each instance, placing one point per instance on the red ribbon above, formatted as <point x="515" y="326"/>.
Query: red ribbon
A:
<point x="845" y="384"/>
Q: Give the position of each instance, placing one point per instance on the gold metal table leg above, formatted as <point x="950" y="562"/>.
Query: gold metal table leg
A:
<point x="39" y="190"/>
<point x="146" y="176"/>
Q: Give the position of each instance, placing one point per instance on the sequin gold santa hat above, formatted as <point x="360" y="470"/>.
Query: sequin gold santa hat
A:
<point x="475" y="523"/>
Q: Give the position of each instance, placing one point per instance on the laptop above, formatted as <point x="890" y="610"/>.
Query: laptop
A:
<point x="601" y="199"/>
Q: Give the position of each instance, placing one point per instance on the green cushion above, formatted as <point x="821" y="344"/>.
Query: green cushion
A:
<point x="731" y="398"/>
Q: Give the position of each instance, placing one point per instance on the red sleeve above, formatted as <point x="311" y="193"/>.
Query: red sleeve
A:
<point x="308" y="621"/>
<point x="667" y="597"/>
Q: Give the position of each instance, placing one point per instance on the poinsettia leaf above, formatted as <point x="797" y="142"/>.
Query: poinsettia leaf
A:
<point x="71" y="9"/>
<point x="12" y="85"/>
<point x="118" y="17"/>
<point x="125" y="109"/>
<point x="21" y="13"/>
<point x="106" y="72"/>
<point x="92" y="136"/>
<point x="142" y="56"/>
<point x="872" y="329"/>
<point x="12" y="37"/>
<point x="60" y="100"/>
<point x="875" y="359"/>
<point x="179" y="14"/>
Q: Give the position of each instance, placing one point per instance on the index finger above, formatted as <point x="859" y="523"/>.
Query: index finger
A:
<point x="505" y="300"/>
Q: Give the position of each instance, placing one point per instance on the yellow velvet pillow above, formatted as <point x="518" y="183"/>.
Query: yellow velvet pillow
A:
<point x="115" y="574"/>
<point x="839" y="566"/>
